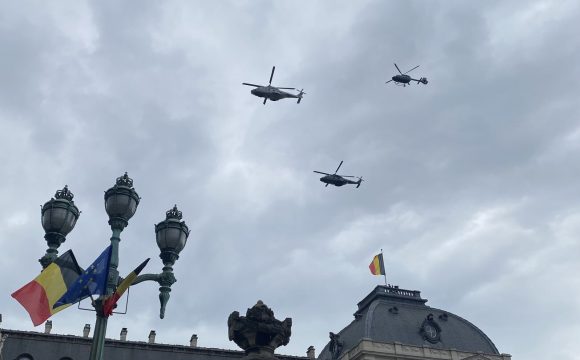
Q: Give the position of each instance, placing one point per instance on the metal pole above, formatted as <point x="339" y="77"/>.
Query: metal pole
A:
<point x="100" y="332"/>
<point x="98" y="345"/>
<point x="384" y="268"/>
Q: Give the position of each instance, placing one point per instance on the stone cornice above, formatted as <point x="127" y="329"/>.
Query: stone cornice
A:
<point x="372" y="350"/>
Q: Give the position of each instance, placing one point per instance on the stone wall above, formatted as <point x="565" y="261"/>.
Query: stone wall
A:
<point x="372" y="350"/>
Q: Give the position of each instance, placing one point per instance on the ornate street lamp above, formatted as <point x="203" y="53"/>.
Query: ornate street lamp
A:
<point x="171" y="235"/>
<point x="121" y="202"/>
<point x="59" y="216"/>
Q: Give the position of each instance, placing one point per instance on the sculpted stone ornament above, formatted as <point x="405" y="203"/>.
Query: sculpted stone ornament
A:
<point x="259" y="333"/>
<point x="335" y="346"/>
<point x="430" y="330"/>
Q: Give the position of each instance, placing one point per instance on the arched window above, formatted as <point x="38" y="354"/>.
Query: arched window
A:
<point x="24" y="357"/>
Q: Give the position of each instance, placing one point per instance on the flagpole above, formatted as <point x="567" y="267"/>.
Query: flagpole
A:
<point x="100" y="332"/>
<point x="384" y="268"/>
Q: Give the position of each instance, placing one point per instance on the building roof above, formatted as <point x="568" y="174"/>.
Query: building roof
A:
<point x="71" y="347"/>
<point x="390" y="314"/>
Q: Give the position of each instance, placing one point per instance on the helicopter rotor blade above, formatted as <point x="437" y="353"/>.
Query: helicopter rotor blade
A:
<point x="398" y="69"/>
<point x="285" y="88"/>
<point x="320" y="172"/>
<point x="345" y="176"/>
<point x="388" y="81"/>
<point x="413" y="69"/>
<point x="339" y="165"/>
<point x="252" y="85"/>
<point x="272" y="75"/>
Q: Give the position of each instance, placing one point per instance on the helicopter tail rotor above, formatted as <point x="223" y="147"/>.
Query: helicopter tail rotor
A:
<point x="422" y="80"/>
<point x="300" y="96"/>
<point x="360" y="180"/>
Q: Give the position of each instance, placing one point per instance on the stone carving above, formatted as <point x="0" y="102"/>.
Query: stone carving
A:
<point x="430" y="330"/>
<point x="335" y="346"/>
<point x="259" y="333"/>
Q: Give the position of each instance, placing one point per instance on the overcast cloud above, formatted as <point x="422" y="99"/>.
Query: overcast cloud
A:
<point x="471" y="181"/>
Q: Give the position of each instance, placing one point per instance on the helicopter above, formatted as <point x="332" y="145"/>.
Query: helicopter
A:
<point x="405" y="79"/>
<point x="338" y="180"/>
<point x="274" y="93"/>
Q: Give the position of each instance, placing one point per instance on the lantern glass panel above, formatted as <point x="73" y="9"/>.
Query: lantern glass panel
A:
<point x="121" y="205"/>
<point x="171" y="238"/>
<point x="58" y="219"/>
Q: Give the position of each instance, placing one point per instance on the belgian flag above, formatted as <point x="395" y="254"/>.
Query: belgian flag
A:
<point x="39" y="296"/>
<point x="377" y="266"/>
<point x="111" y="301"/>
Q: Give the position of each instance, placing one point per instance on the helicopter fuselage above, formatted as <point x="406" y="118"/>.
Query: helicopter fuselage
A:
<point x="403" y="79"/>
<point x="336" y="180"/>
<point x="271" y="93"/>
<point x="406" y="79"/>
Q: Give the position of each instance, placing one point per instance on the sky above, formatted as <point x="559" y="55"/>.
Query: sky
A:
<point x="471" y="182"/>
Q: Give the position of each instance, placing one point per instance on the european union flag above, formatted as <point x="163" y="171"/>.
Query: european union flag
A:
<point x="93" y="281"/>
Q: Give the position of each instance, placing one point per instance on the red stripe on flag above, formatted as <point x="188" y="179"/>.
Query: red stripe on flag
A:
<point x="372" y="268"/>
<point x="32" y="297"/>
<point x="109" y="304"/>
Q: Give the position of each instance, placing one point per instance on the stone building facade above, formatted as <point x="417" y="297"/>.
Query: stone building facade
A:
<point x="396" y="324"/>
<point x="389" y="324"/>
<point x="26" y="345"/>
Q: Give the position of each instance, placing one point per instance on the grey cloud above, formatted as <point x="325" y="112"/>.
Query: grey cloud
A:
<point x="471" y="180"/>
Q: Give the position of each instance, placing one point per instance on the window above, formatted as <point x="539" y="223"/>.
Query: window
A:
<point x="24" y="357"/>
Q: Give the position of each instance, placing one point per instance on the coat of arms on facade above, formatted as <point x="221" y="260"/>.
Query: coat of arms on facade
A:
<point x="430" y="330"/>
<point x="259" y="333"/>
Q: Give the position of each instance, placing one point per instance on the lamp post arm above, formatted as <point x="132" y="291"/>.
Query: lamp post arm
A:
<point x="146" y="277"/>
<point x="165" y="279"/>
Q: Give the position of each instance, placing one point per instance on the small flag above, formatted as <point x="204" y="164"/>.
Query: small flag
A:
<point x="110" y="302"/>
<point x="39" y="296"/>
<point x="93" y="281"/>
<point x="377" y="266"/>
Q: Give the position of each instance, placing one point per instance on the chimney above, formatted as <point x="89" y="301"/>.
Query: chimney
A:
<point x="47" y="326"/>
<point x="86" y="330"/>
<point x="123" y="334"/>
<point x="152" y="337"/>
<point x="193" y="341"/>
<point x="311" y="353"/>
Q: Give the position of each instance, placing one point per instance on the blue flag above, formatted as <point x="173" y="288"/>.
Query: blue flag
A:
<point x="93" y="281"/>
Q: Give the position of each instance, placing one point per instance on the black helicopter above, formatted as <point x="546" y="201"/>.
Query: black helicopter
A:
<point x="274" y="93"/>
<point x="405" y="79"/>
<point x="338" y="180"/>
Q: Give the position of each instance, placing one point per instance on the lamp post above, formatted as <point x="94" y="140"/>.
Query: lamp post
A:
<point x="59" y="216"/>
